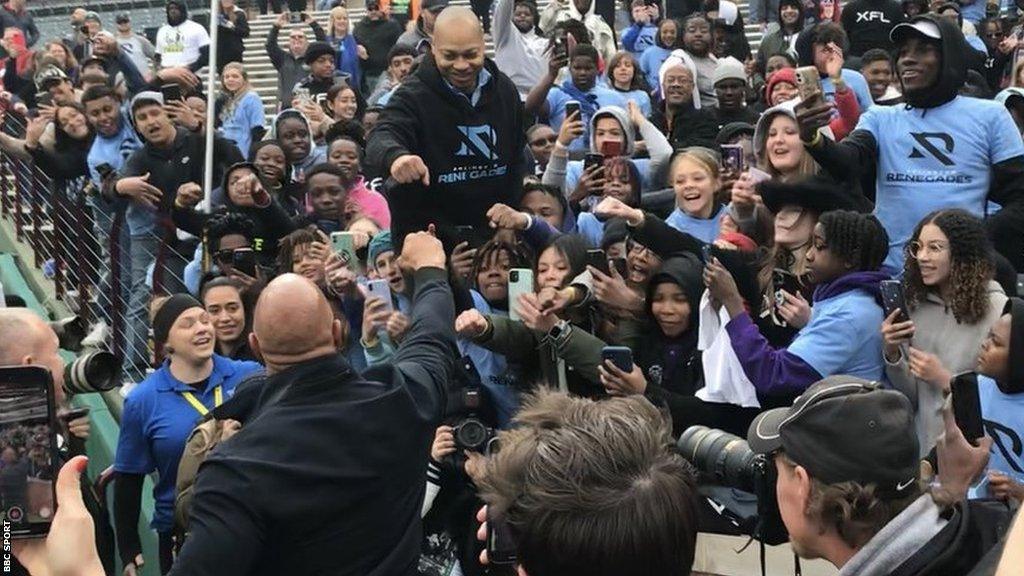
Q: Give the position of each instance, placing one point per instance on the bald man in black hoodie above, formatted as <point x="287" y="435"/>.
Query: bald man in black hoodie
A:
<point x="451" y="136"/>
<point x="940" y="150"/>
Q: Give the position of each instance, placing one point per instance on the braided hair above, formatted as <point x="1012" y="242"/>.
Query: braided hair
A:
<point x="857" y="239"/>
<point x="970" y="265"/>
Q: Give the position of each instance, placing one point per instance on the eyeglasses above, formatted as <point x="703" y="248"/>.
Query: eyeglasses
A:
<point x="542" y="141"/>
<point x="915" y="248"/>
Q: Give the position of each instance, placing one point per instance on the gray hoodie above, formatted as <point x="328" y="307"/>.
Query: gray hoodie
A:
<point x="937" y="332"/>
<point x="898" y="540"/>
<point x="317" y="154"/>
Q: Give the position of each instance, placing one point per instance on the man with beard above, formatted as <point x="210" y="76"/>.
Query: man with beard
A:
<point x="926" y="155"/>
<point x="181" y="42"/>
<point x="519" y="50"/>
<point x="680" y="116"/>
<point x="451" y="136"/>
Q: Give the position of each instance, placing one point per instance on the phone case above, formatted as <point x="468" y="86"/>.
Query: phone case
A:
<point x="967" y="406"/>
<point x="892" y="298"/>
<point x="621" y="356"/>
<point x="520" y="281"/>
<point x="380" y="289"/>
<point x="344" y="245"/>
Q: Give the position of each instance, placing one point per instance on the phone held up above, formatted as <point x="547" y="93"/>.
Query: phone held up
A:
<point x="893" y="299"/>
<point x="808" y="85"/>
<point x="28" y="445"/>
<point x="520" y="281"/>
<point x="967" y="406"/>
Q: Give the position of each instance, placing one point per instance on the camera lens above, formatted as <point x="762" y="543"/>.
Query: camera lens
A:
<point x="472" y="435"/>
<point x="726" y="458"/>
<point x="513" y="276"/>
<point x="97" y="371"/>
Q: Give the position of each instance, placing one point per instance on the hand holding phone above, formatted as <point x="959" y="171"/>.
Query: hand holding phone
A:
<point x="967" y="406"/>
<point x="572" y="107"/>
<point x="893" y="299"/>
<point x="344" y="245"/>
<point x="244" y="261"/>
<point x="520" y="281"/>
<point x="620" y="356"/>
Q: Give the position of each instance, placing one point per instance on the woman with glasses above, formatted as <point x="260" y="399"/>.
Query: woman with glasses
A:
<point x="540" y="139"/>
<point x="952" y="302"/>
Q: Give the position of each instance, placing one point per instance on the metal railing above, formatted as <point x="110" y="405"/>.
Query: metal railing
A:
<point x="84" y="250"/>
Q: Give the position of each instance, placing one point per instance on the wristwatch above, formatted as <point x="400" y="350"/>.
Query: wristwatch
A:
<point x="559" y="333"/>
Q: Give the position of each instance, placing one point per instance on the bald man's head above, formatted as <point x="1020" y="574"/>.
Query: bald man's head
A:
<point x="458" y="47"/>
<point x="25" y="338"/>
<point x="293" y="322"/>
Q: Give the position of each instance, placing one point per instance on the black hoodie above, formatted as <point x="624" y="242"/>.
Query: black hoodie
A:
<point x="475" y="153"/>
<point x="868" y="23"/>
<point x="1015" y="308"/>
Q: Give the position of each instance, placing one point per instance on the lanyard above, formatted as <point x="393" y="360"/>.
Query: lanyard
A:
<point x="203" y="411"/>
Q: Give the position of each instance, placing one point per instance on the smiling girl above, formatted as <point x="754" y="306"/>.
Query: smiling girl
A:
<point x="241" y="110"/>
<point x="695" y="177"/>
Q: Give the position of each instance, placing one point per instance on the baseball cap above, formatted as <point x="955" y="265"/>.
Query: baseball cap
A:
<point x="49" y="76"/>
<point x="122" y="18"/>
<point x="729" y="69"/>
<point x="844" y="429"/>
<point x="918" y="26"/>
<point x="92" y="16"/>
<point x="434" y="6"/>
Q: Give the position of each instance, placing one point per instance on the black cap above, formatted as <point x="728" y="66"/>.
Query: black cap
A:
<point x="815" y="193"/>
<point x="122" y="18"/>
<point x="316" y="50"/>
<point x="168" y="313"/>
<point x="845" y="429"/>
<point x="732" y="130"/>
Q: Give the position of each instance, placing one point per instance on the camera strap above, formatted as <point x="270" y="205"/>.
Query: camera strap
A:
<point x="218" y="399"/>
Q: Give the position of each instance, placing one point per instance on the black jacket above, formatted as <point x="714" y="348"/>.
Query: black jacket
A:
<point x="690" y="127"/>
<point x="475" y="153"/>
<point x="868" y="23"/>
<point x="328" y="475"/>
<point x="230" y="39"/>
<point x="377" y="36"/>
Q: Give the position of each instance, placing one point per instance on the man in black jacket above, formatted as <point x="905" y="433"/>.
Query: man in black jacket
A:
<point x="291" y="64"/>
<point x="328" y="474"/>
<point x="451" y="136"/>
<point x="378" y="34"/>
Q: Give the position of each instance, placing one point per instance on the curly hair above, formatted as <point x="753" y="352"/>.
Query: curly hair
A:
<point x="519" y="256"/>
<point x="224" y="223"/>
<point x="857" y="239"/>
<point x="300" y="237"/>
<point x="970" y="265"/>
<point x="854" y="510"/>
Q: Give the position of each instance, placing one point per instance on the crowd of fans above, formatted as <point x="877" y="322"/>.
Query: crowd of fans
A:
<point x="669" y="228"/>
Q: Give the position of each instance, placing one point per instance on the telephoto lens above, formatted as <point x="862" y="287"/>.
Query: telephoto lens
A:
<point x="726" y="458"/>
<point x="97" y="371"/>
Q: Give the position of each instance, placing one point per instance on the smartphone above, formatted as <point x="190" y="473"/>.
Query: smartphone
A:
<point x="44" y="98"/>
<point x="808" y="85"/>
<point x="520" y="281"/>
<point x="468" y="235"/>
<point x="572" y="107"/>
<point x="785" y="280"/>
<point x="893" y="299"/>
<point x="501" y="546"/>
<point x="380" y="288"/>
<point x="599" y="260"/>
<point x="620" y="356"/>
<point x="171" y="92"/>
<point x="611" y="148"/>
<point x="620" y="265"/>
<point x="301" y="94"/>
<point x="344" y="245"/>
<point x="28" y="443"/>
<point x="705" y="252"/>
<point x="592" y="160"/>
<point x="560" y="49"/>
<point x="244" y="260"/>
<point x="74" y="414"/>
<point x="732" y="158"/>
<point x="967" y="406"/>
<point x="295" y="17"/>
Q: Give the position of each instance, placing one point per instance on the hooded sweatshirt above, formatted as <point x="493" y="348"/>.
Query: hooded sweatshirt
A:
<point x="472" y="144"/>
<point x="841" y="338"/>
<point x="780" y="41"/>
<point x="925" y="156"/>
<point x="956" y="344"/>
<point x="316" y="155"/>
<point x="522" y="56"/>
<point x="869" y="22"/>
<point x="566" y="174"/>
<point x="601" y="34"/>
<point x="178" y="43"/>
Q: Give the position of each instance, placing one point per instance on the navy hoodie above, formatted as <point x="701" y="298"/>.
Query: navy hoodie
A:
<point x="475" y="153"/>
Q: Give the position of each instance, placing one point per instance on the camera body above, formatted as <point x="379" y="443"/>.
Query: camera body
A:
<point x="726" y="460"/>
<point x="468" y="414"/>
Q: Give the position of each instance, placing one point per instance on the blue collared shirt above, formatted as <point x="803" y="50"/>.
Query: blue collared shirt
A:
<point x="157" y="420"/>
<point x="481" y="80"/>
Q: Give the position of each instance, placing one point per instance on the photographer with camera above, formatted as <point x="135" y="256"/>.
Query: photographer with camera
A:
<point x="849" y="488"/>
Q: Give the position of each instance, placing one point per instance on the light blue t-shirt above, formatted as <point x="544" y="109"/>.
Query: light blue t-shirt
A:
<point x="642" y="99"/>
<point x="601" y="95"/>
<point x="977" y="43"/>
<point x="854" y="81"/>
<point x="973" y="12"/>
<point x="592" y="229"/>
<point x="1003" y="417"/>
<point x="699" y="228"/>
<point x="651" y="62"/>
<point x="936" y="158"/>
<point x="493" y="369"/>
<point x="843" y="336"/>
<point x="639" y="37"/>
<point x="237" y="127"/>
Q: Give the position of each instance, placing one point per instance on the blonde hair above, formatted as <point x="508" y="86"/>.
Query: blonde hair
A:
<point x="234" y="97"/>
<point x="807" y="166"/>
<point x="338" y="11"/>
<point x="703" y="157"/>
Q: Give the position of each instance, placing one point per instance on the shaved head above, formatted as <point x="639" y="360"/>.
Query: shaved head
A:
<point x="293" y="322"/>
<point x="458" y="47"/>
<point x="25" y="338"/>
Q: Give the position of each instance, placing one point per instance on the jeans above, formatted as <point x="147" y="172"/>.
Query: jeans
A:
<point x="136" y="356"/>
<point x="104" y="215"/>
<point x="757" y="11"/>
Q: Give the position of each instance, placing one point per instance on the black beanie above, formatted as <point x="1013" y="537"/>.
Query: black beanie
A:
<point x="168" y="314"/>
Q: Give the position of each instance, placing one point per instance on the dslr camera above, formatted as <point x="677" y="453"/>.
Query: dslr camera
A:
<point x="94" y="369"/>
<point x="739" y="484"/>
<point x="468" y="413"/>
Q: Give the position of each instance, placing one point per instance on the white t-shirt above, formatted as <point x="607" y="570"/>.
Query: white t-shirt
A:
<point x="179" y="45"/>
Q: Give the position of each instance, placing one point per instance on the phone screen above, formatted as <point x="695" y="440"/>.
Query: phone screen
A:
<point x="244" y="261"/>
<point x="28" y="450"/>
<point x="501" y="545"/>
